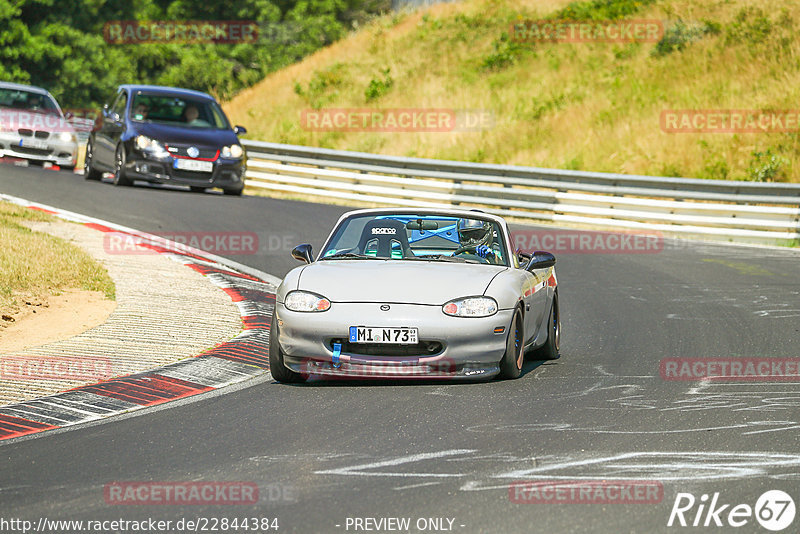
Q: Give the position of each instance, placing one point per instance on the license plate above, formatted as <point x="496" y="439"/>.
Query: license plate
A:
<point x="33" y="143"/>
<point x="378" y="334"/>
<point x="194" y="165"/>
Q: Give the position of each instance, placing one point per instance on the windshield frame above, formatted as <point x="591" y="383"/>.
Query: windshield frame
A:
<point x="500" y="229"/>
<point x="214" y="108"/>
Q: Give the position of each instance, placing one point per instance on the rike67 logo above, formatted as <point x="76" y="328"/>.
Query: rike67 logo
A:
<point x="774" y="510"/>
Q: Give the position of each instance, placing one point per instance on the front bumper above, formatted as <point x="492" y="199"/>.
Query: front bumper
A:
<point x="462" y="348"/>
<point x="62" y="153"/>
<point x="226" y="173"/>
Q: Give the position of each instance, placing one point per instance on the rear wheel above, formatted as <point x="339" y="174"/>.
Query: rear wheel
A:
<point x="120" y="177"/>
<point x="549" y="351"/>
<point x="511" y="364"/>
<point x="276" y="366"/>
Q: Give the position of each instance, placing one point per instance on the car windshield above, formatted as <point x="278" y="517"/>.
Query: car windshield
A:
<point x="418" y="237"/>
<point x="179" y="111"/>
<point x="27" y="100"/>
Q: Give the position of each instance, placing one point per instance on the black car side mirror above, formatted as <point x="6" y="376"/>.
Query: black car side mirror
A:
<point x="541" y="260"/>
<point x="239" y="130"/>
<point x="303" y="253"/>
<point x="68" y="115"/>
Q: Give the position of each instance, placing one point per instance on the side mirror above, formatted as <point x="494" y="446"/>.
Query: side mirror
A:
<point x="239" y="130"/>
<point x="541" y="260"/>
<point x="68" y="115"/>
<point x="303" y="253"/>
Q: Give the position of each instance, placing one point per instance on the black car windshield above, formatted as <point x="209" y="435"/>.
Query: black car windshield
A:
<point x="179" y="111"/>
<point x="418" y="237"/>
<point x="27" y="100"/>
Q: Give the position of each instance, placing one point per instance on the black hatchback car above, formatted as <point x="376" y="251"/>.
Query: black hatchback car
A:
<point x="166" y="135"/>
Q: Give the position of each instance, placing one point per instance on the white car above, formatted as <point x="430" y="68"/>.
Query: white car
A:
<point x="33" y="127"/>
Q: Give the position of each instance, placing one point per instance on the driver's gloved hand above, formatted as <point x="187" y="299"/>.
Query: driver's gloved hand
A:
<point x="484" y="251"/>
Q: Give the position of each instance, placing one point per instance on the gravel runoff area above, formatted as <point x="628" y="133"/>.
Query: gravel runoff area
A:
<point x="165" y="312"/>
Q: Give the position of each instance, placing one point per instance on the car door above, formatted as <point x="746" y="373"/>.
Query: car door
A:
<point x="534" y="296"/>
<point x="108" y="135"/>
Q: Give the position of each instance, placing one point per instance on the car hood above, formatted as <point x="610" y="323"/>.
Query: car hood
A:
<point x="181" y="135"/>
<point x="416" y="282"/>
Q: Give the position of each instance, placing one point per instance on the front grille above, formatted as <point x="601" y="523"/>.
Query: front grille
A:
<point x="32" y="151"/>
<point x="206" y="177"/>
<point x="25" y="132"/>
<point x="205" y="153"/>
<point x="41" y="134"/>
<point x="421" y="349"/>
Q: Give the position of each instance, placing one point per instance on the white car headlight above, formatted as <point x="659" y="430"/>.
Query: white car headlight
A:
<point x="233" y="151"/>
<point x="66" y="137"/>
<point x="305" y="301"/>
<point x="471" y="307"/>
<point x="143" y="142"/>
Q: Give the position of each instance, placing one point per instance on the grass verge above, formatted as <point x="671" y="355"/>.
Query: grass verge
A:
<point x="34" y="265"/>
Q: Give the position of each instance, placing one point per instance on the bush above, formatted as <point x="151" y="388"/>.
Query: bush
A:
<point x="765" y="166"/>
<point x="377" y="88"/>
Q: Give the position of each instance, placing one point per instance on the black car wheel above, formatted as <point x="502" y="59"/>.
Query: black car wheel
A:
<point x="549" y="351"/>
<point x="279" y="371"/>
<point x="120" y="177"/>
<point x="511" y="364"/>
<point x="235" y="191"/>
<point x="89" y="172"/>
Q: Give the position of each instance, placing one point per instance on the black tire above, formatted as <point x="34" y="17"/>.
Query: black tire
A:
<point x="120" y="177"/>
<point x="549" y="351"/>
<point x="89" y="172"/>
<point x="234" y="192"/>
<point x="511" y="364"/>
<point x="197" y="189"/>
<point x="276" y="366"/>
<point x="69" y="168"/>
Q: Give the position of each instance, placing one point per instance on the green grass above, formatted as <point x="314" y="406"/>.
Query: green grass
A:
<point x="36" y="265"/>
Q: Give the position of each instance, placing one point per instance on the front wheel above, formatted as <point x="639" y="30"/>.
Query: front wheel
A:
<point x="237" y="191"/>
<point x="279" y="371"/>
<point x="89" y="172"/>
<point x="511" y="364"/>
<point x="120" y="177"/>
<point x="549" y="351"/>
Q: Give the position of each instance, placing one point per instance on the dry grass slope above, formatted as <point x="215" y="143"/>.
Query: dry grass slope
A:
<point x="570" y="105"/>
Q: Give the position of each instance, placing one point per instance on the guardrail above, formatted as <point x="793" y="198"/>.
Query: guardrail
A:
<point x="731" y="210"/>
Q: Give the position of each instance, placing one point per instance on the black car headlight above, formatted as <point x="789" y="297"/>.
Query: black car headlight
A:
<point x="150" y="145"/>
<point x="233" y="151"/>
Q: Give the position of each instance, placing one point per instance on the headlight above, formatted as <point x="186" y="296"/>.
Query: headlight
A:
<point x="67" y="137"/>
<point x="143" y="142"/>
<point x="233" y="151"/>
<point x="471" y="307"/>
<point x="304" y="301"/>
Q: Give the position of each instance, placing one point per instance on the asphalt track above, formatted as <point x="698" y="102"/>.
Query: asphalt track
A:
<point x="322" y="454"/>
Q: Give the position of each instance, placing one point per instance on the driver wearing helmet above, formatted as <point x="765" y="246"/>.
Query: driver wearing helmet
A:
<point x="475" y="235"/>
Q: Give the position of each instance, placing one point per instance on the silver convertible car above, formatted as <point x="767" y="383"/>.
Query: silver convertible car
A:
<point x="415" y="293"/>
